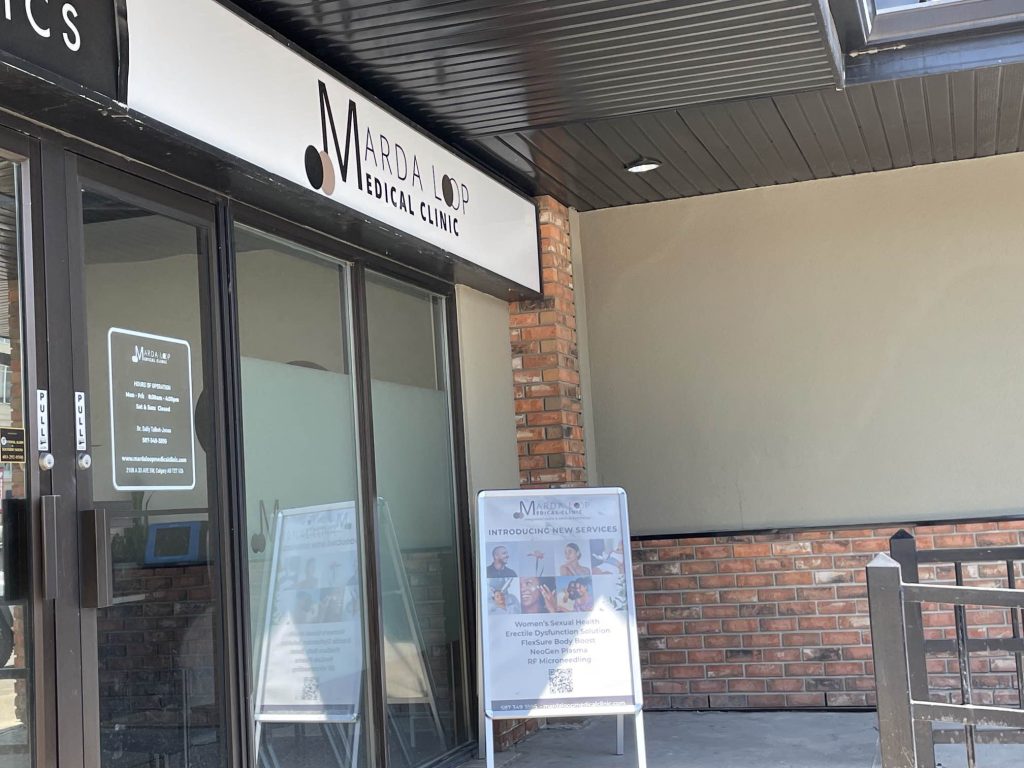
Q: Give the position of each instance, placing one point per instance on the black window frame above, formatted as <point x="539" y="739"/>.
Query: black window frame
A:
<point x="50" y="196"/>
<point x="913" y="19"/>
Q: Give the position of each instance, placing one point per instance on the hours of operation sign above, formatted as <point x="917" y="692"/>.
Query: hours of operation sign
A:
<point x="556" y="600"/>
<point x="152" y="429"/>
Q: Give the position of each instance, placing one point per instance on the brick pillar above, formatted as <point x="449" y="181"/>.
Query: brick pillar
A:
<point x="545" y="365"/>
<point x="545" y="371"/>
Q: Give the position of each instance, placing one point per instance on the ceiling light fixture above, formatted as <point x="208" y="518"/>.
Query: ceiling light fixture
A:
<point x="643" y="165"/>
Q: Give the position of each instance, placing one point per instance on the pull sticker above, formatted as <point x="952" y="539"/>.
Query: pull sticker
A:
<point x="42" y="420"/>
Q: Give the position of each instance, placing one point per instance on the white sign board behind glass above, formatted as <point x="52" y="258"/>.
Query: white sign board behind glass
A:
<point x="558" y="624"/>
<point x="152" y="425"/>
<point x="312" y="661"/>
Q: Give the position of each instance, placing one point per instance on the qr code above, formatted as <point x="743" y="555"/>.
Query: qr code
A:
<point x="560" y="680"/>
<point x="310" y="689"/>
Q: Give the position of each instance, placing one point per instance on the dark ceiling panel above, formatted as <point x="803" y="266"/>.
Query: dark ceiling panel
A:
<point x="940" y="117"/>
<point x="779" y="134"/>
<point x="841" y="113"/>
<point x="479" y="67"/>
<point x="558" y="96"/>
<point x="1011" y="103"/>
<point x="872" y="129"/>
<point x="887" y="102"/>
<point x="824" y="130"/>
<point x="911" y="108"/>
<point x="964" y="113"/>
<point x="687" y="140"/>
<point x="820" y="134"/>
<point x="987" y="86"/>
<point x="792" y="115"/>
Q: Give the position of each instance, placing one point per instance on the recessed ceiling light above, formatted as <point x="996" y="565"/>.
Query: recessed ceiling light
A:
<point x="643" y="165"/>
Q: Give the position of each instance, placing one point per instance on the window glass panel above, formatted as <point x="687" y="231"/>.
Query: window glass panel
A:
<point x="422" y="616"/>
<point x="154" y="472"/>
<point x="15" y="630"/>
<point x="301" y="484"/>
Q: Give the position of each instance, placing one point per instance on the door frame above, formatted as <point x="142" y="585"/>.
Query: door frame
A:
<point x="78" y="732"/>
<point x="52" y="263"/>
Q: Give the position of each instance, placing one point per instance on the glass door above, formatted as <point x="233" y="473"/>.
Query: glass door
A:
<point x="18" y="498"/>
<point x="147" y="469"/>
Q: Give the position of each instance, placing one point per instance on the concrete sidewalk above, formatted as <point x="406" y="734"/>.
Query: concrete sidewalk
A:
<point x="732" y="740"/>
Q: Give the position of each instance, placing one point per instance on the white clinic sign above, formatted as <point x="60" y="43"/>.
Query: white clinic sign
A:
<point x="203" y="70"/>
<point x="558" y="624"/>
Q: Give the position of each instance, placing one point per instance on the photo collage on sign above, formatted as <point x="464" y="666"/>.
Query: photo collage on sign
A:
<point x="310" y="591"/>
<point x="317" y="585"/>
<point x="565" y="576"/>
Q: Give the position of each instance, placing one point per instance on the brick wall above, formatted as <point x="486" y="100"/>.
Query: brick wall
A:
<point x="546" y="385"/>
<point x="545" y="365"/>
<point x="781" y="620"/>
<point x="150" y="650"/>
<point x="431" y="575"/>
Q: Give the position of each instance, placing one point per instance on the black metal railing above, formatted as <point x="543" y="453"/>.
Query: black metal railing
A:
<point x="905" y="709"/>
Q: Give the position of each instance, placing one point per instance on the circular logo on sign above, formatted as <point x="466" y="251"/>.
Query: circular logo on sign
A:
<point x="314" y="167"/>
<point x="448" y="190"/>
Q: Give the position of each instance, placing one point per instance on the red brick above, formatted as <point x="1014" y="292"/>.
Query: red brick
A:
<point x="720" y="611"/>
<point x="752" y="579"/>
<point x="775" y="595"/>
<point x="791" y="548"/>
<point x="739" y="625"/>
<point x="1001" y="539"/>
<point x="752" y="550"/>
<point x="763" y="670"/>
<point x="801" y="639"/>
<point x="762" y="640"/>
<point x="748" y="686"/>
<point x="686" y="671"/>
<point x="712" y="552"/>
<point x="736" y="566"/>
<point x="870" y="545"/>
<point x="805" y="700"/>
<point x="717" y="581"/>
<point x="778" y="625"/>
<point x="954" y="541"/>
<point x="738" y="595"/>
<point x="794" y="578"/>
<point x="784" y="685"/>
<point x="805" y="669"/>
<point x="680" y="582"/>
<point x="724" y="670"/>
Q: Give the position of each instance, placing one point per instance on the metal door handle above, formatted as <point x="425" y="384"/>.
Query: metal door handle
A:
<point x="48" y="511"/>
<point x="17" y="542"/>
<point x="97" y="585"/>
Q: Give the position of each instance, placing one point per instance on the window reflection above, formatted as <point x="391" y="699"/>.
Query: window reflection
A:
<point x="302" y="512"/>
<point x="15" y="631"/>
<point x="419" y="564"/>
<point x="159" y="661"/>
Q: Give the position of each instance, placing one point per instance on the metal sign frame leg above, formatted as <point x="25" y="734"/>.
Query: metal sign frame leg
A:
<point x="489" y="741"/>
<point x="641" y="742"/>
<point x="620" y="739"/>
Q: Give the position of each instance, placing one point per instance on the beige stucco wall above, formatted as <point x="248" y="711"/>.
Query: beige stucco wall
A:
<point x="839" y="351"/>
<point x="583" y="351"/>
<point x="486" y="360"/>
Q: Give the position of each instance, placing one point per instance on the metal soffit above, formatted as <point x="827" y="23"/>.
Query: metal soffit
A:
<point x="773" y="140"/>
<point x="488" y="66"/>
<point x="558" y="96"/>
